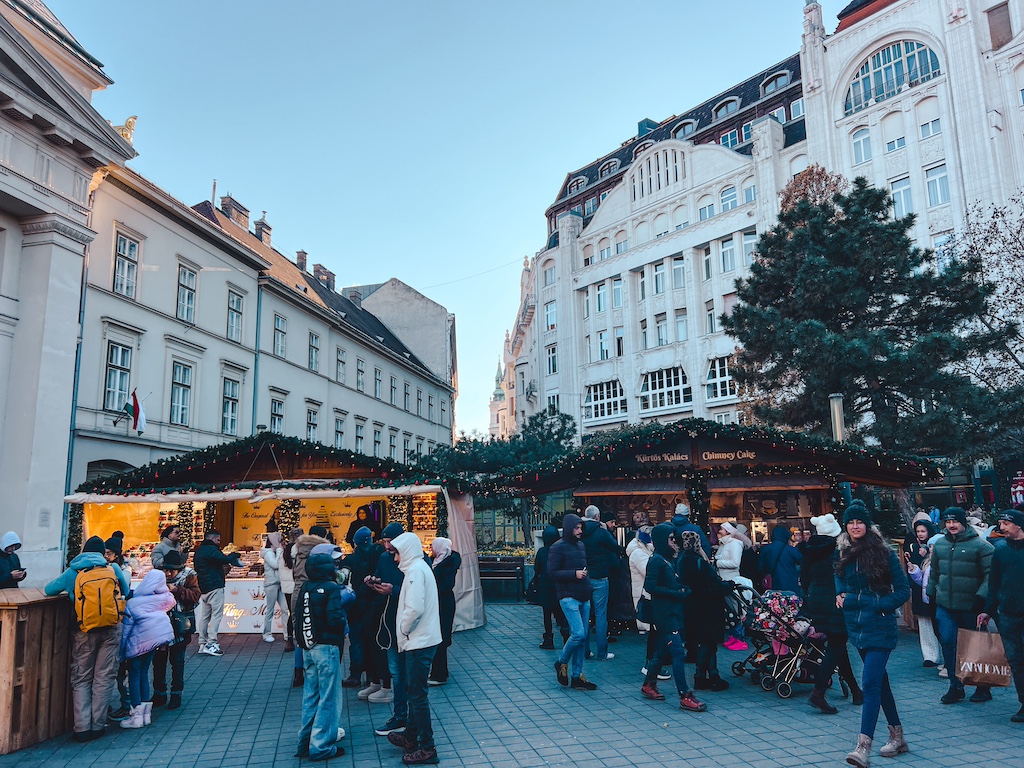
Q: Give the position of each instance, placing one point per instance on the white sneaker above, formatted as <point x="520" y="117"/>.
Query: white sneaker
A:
<point x="383" y="696"/>
<point x="341" y="734"/>
<point x="364" y="694"/>
<point x="608" y="657"/>
<point x="268" y="638"/>
<point x="943" y="673"/>
<point x="204" y="648"/>
<point x="213" y="649"/>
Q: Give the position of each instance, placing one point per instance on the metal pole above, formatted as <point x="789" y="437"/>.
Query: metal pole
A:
<point x="835" y="408"/>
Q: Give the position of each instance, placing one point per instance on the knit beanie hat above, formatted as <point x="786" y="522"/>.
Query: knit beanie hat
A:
<point x="955" y="513"/>
<point x="114" y="545"/>
<point x="1013" y="516"/>
<point x="728" y="528"/>
<point x="857" y="511"/>
<point x="607" y="517"/>
<point x="95" y="544"/>
<point x="392" y="531"/>
<point x="363" y="536"/>
<point x="682" y="509"/>
<point x="826" y="525"/>
<point x="318" y="530"/>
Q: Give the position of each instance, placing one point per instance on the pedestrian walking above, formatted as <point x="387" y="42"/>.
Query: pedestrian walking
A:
<point x="287" y="577"/>
<point x="445" y="565"/>
<point x="603" y="556"/>
<point x="917" y="554"/>
<point x="146" y="627"/>
<point x="870" y="585"/>
<point x="704" y="610"/>
<point x="359" y="564"/>
<point x="728" y="559"/>
<point x="567" y="564"/>
<point x="303" y="547"/>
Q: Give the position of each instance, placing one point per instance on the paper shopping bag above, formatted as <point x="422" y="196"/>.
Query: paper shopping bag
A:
<point x="980" y="659"/>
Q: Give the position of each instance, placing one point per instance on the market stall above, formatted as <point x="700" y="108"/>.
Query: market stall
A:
<point x="270" y="482"/>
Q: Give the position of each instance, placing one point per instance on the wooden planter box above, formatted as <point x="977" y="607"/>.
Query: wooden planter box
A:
<point x="35" y="675"/>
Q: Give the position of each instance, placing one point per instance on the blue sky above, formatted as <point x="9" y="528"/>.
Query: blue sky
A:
<point x="414" y="140"/>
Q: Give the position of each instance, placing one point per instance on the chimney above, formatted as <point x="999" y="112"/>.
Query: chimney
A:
<point x="645" y="126"/>
<point x="324" y="275"/>
<point x="300" y="259"/>
<point x="263" y="229"/>
<point x="235" y="211"/>
<point x="355" y="297"/>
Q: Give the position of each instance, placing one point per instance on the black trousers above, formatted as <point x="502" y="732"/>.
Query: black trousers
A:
<point x="176" y="655"/>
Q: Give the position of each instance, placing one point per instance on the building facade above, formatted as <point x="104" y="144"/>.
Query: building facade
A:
<point x="618" y="312"/>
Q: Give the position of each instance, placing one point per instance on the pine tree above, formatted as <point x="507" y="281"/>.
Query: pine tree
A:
<point x="840" y="300"/>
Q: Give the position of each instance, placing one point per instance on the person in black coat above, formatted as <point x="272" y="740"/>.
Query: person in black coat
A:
<point x="11" y="571"/>
<point x="445" y="565"/>
<point x="363" y="520"/>
<point x="817" y="577"/>
<point x="604" y="560"/>
<point x="360" y="564"/>
<point x="705" y="610"/>
<point x="567" y="564"/>
<point x="546" y="590"/>
<point x="667" y="618"/>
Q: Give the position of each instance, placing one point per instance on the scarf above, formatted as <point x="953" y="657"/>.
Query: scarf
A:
<point x="442" y="548"/>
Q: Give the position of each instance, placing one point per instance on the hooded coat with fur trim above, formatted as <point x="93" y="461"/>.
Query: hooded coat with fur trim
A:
<point x="418" y="621"/>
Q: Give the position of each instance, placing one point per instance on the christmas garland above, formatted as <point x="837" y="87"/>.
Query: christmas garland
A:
<point x="442" y="517"/>
<point x="76" y="520"/>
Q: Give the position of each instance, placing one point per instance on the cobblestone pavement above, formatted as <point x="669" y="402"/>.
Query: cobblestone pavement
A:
<point x="504" y="708"/>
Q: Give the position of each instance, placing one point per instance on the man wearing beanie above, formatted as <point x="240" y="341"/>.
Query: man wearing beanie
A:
<point x="681" y="522"/>
<point x="958" y="587"/>
<point x="93" y="652"/>
<point x="603" y="557"/>
<point x="1006" y="598"/>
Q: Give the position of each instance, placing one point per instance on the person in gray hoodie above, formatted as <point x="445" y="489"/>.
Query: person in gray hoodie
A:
<point x="94" y="653"/>
<point x="11" y="571"/>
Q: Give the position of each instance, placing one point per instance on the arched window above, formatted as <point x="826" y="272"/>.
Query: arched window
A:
<point x="861" y="146"/>
<point x="577" y="184"/>
<point x="665" y="389"/>
<point x="775" y="82"/>
<point x="642" y="147"/>
<point x="726" y="108"/>
<point x="684" y="129"/>
<point x="889" y="71"/>
<point x="608" y="168"/>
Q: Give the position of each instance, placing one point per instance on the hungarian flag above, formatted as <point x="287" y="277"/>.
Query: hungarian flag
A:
<point x="134" y="409"/>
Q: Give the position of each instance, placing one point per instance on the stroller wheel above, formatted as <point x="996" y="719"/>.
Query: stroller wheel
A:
<point x="767" y="683"/>
<point x="755" y="676"/>
<point x="738" y="669"/>
<point x="785" y="690"/>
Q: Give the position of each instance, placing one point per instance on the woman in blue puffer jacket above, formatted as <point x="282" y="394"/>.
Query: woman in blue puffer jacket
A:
<point x="146" y="627"/>
<point x="870" y="586"/>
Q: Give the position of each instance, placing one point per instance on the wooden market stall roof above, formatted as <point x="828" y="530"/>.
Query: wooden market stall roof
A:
<point x="713" y="452"/>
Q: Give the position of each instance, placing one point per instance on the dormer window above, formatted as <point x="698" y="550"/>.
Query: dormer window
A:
<point x="684" y="129"/>
<point x="774" y="83"/>
<point x="726" y="108"/>
<point x="576" y="185"/>
<point x="608" y="168"/>
<point x="646" y="145"/>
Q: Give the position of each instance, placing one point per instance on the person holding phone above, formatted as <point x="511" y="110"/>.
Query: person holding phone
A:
<point x="567" y="566"/>
<point x="11" y="572"/>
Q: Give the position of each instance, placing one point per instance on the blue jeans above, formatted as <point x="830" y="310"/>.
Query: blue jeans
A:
<point x="665" y="644"/>
<point x="320" y="701"/>
<point x="401" y="700"/>
<point x="947" y="623"/>
<point x="139" y="689"/>
<point x="1011" y="630"/>
<point x="575" y="648"/>
<point x="416" y="671"/>
<point x="877" y="693"/>
<point x="600" y="600"/>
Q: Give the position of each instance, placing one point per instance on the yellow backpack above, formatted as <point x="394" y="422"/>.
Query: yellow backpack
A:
<point x="98" y="599"/>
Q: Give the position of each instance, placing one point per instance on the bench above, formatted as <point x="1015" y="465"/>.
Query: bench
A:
<point x="502" y="574"/>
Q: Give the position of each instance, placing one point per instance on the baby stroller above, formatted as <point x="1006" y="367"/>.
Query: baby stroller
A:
<point x="787" y="650"/>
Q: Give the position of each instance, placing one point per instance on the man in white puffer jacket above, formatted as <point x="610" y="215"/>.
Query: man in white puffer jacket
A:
<point x="419" y="633"/>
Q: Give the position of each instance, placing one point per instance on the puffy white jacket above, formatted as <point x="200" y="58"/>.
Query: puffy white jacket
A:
<point x="418" y="620"/>
<point x="639" y="554"/>
<point x="284" y="573"/>
<point x="272" y="562"/>
<point x="730" y="552"/>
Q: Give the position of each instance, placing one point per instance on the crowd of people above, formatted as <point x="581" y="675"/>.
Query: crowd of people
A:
<point x="851" y="580"/>
<point x="393" y="603"/>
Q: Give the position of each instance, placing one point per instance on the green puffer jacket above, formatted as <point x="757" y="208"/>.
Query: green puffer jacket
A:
<point x="959" y="577"/>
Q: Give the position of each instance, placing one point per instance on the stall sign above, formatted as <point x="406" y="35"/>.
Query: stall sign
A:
<point x="245" y="606"/>
<point x="1017" y="488"/>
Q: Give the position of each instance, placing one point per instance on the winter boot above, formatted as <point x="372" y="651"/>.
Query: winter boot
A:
<point x="548" y="643"/>
<point x="861" y="755"/>
<point x="298" y="678"/>
<point x="817" y="700"/>
<point x="147" y="712"/>
<point x="159" y="698"/>
<point x="134" y="720"/>
<point x="175" y="701"/>
<point x="896" y="745"/>
<point x="716" y="683"/>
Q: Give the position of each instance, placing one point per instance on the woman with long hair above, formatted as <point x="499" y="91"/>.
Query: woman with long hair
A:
<point x="870" y="585"/>
<point x="917" y="554"/>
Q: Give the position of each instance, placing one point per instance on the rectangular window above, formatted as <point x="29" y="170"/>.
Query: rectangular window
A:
<point x="312" y="425"/>
<point x="419" y="402"/>
<point x="376" y="443"/>
<point x="234" y="316"/>
<point x="339" y="431"/>
<point x="730" y="139"/>
<point x="779" y="114"/>
<point x="617" y="292"/>
<point x="620" y="341"/>
<point x="709" y="316"/>
<point x="604" y="400"/>
<point x="406" y="396"/>
<point x="360" y="374"/>
<point x="126" y="266"/>
<point x="796" y="109"/>
<point x="729" y="200"/>
<point x="552" y="359"/>
<point x="943" y="253"/>
<point x="229" y="409"/>
<point x="749" y="246"/>
<point x="931" y="128"/>
<point x="747" y="132"/>
<point x="605" y="253"/>
<point x="603" y="350"/>
<point x="750" y="194"/>
<point x="590" y="207"/>
<point x="725" y="418"/>
<point x="720" y="383"/>
<point x="622" y="246"/>
<point x="280" y="335"/>
<point x="549" y="275"/>
<point x="406" y="450"/>
<point x="277" y="416"/>
<point x="678" y="273"/>
<point x="314" y="352"/>
<point x="444" y="415"/>
<point x="898" y="143"/>
<point x="360" y="430"/>
<point x="707" y="263"/>
<point x="339" y="366"/>
<point x="706" y="212"/>
<point x="728" y="255"/>
<point x="394" y="391"/>
<point x="553" y="404"/>
<point x="393" y="447"/>
<point x="181" y="393"/>
<point x="861" y="146"/>
<point x="602" y="296"/>
<point x="659" y="278"/>
<point x="430" y="408"/>
<point x="378" y="383"/>
<point x="661" y="330"/>
<point x="419" y="447"/>
<point x="586" y="303"/>
<point x="902" y="201"/>
<point x="682" y="330"/>
<point x="119" y="363"/>
<point x="642" y="283"/>
<point x="938" y="186"/>
<point x="643" y="335"/>
<point x="664" y="389"/>
<point x="186" y="294"/>
<point x="589" y="352"/>
<point x="550" y="315"/>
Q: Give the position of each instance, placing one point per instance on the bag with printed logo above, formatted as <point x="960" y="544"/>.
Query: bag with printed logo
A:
<point x="981" y="660"/>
